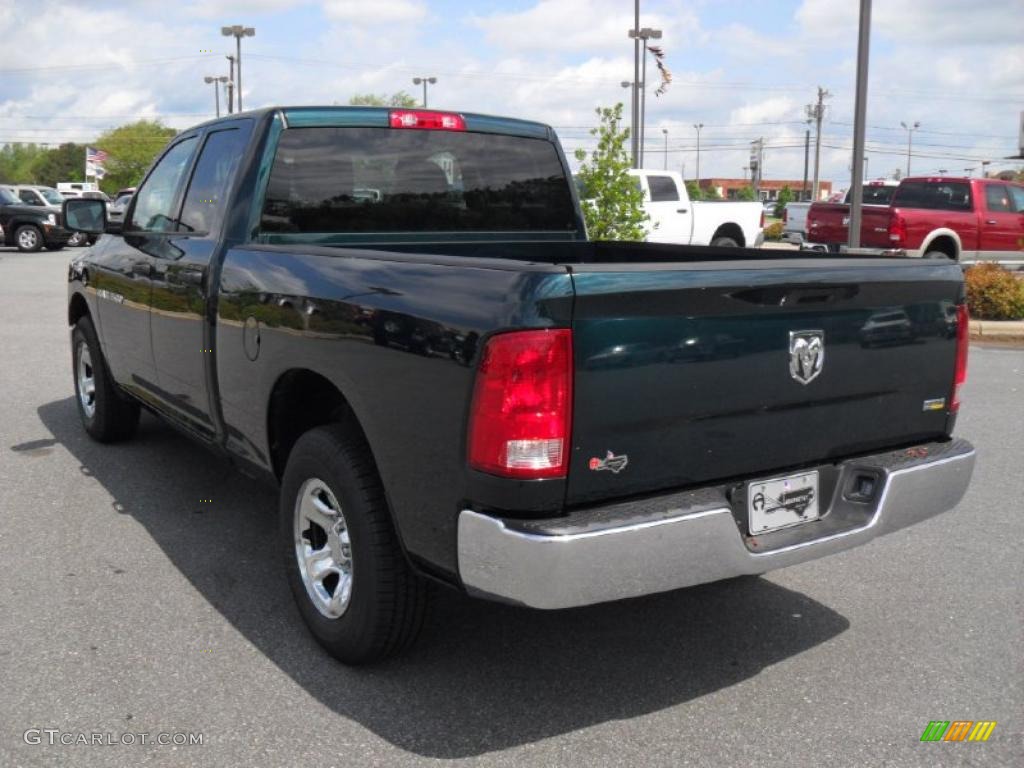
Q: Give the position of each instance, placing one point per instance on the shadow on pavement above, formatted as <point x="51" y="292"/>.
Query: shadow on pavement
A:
<point x="484" y="676"/>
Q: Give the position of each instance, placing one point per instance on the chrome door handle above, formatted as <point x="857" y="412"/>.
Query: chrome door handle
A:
<point x="991" y="221"/>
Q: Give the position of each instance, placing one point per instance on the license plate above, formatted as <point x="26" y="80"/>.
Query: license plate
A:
<point x="782" y="502"/>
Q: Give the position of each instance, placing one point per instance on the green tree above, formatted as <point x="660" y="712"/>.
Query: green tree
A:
<point x="400" y="99"/>
<point x="694" y="191"/>
<point x="785" y="196"/>
<point x="710" y="193"/>
<point x="613" y="204"/>
<point x="131" y="149"/>
<point x="746" y="193"/>
<point x="16" y="162"/>
<point x="65" y="163"/>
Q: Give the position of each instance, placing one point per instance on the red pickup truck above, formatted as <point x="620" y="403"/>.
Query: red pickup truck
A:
<point x="962" y="219"/>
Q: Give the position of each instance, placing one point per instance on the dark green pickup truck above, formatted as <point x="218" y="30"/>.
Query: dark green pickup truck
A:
<point x="397" y="319"/>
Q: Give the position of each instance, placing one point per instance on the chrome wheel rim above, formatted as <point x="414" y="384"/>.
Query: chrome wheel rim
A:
<point x="323" y="550"/>
<point x="28" y="238"/>
<point x="86" y="380"/>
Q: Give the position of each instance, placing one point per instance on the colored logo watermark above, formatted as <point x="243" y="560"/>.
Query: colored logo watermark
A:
<point x="958" y="730"/>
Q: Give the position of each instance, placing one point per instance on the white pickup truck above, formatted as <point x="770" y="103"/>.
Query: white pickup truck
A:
<point x="674" y="218"/>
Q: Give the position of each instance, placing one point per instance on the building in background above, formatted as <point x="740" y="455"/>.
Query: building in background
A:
<point x="728" y="189"/>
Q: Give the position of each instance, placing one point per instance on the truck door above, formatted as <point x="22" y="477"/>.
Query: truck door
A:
<point x="123" y="266"/>
<point x="670" y="217"/>
<point x="1001" y="226"/>
<point x="182" y="346"/>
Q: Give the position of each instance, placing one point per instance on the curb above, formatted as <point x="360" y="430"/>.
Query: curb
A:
<point x="1001" y="330"/>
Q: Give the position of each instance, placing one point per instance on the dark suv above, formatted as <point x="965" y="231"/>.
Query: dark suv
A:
<point x="29" y="227"/>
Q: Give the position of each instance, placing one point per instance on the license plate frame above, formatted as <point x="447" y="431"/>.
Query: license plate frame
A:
<point x="783" y="502"/>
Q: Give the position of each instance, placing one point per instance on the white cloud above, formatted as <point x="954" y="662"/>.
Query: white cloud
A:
<point x="580" y="25"/>
<point x="376" y="13"/>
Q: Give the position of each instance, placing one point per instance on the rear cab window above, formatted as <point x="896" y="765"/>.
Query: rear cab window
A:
<point x="370" y="180"/>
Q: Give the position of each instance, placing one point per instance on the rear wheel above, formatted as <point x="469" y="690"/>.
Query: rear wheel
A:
<point x="350" y="579"/>
<point x="28" y="238"/>
<point x="106" y="415"/>
<point x="937" y="255"/>
<point x="725" y="242"/>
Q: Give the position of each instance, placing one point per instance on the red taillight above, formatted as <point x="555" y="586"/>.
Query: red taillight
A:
<point x="963" y="322"/>
<point x="897" y="229"/>
<point x="521" y="416"/>
<point x="431" y="121"/>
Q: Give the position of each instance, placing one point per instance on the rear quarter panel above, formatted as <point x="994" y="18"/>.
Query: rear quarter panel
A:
<point x="399" y="337"/>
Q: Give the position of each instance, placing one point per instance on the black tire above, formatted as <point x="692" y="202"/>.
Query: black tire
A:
<point x="937" y="255"/>
<point x="55" y="247"/>
<point x="28" y="238"/>
<point x="388" y="600"/>
<point x="114" y="417"/>
<point x="724" y="242"/>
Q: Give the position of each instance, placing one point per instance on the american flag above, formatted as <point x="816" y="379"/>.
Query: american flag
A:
<point x="95" y="159"/>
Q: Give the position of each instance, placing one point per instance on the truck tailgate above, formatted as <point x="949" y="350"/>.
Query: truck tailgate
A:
<point x="685" y="370"/>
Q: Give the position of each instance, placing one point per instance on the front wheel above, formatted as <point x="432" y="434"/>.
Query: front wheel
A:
<point x="344" y="564"/>
<point x="28" y="238"/>
<point x="106" y="415"/>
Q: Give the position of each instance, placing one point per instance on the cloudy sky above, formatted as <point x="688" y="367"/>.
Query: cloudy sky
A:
<point x="71" y="68"/>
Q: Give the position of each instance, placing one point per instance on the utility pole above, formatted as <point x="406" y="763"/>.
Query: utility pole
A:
<point x="910" y="138"/>
<point x="665" y="133"/>
<point x="698" y="126"/>
<point x="231" y="84"/>
<point x="635" y="34"/>
<point x="860" y="110"/>
<point x="756" y="160"/>
<point x="816" y="112"/>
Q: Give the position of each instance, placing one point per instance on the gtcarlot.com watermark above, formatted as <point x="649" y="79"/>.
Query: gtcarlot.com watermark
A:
<point x="54" y="737"/>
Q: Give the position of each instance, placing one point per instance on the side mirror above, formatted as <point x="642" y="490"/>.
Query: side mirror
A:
<point x="82" y="214"/>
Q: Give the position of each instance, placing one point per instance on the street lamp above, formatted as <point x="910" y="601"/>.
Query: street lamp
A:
<point x="984" y="168"/>
<point x="910" y="137"/>
<point x="237" y="31"/>
<point x="665" y="133"/>
<point x="216" y="89"/>
<point x="424" y="81"/>
<point x="698" y="126"/>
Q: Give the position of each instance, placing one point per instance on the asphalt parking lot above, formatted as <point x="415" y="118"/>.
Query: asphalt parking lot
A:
<point x="129" y="606"/>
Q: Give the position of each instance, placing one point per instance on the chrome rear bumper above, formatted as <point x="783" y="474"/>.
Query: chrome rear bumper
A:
<point x="693" y="538"/>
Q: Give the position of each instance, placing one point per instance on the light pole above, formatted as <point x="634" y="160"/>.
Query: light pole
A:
<point x="216" y="89"/>
<point x="644" y="35"/>
<point x="237" y="31"/>
<point x="910" y="139"/>
<point x="231" y="83"/>
<point x="664" y="132"/>
<point x="984" y="168"/>
<point x="424" y="81"/>
<point x="698" y="126"/>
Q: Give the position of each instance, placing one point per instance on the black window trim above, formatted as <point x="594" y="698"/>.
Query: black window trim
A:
<point x="234" y="125"/>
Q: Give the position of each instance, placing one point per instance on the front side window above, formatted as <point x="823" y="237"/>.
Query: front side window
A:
<point x="382" y="180"/>
<point x="29" y="197"/>
<point x="153" y="209"/>
<point x="663" y="189"/>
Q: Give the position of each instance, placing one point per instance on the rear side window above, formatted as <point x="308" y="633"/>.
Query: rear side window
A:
<point x="877" y="194"/>
<point x="936" y="195"/>
<point x="204" y="204"/>
<point x="370" y="180"/>
<point x="997" y="199"/>
<point x="663" y="189"/>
